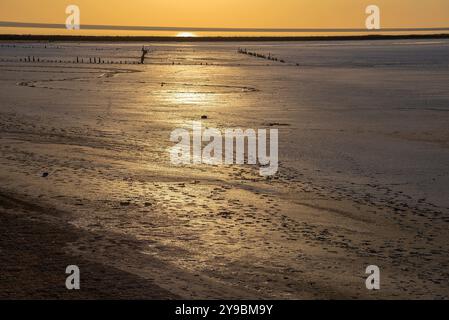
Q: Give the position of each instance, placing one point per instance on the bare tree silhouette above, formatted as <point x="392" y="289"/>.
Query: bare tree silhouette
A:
<point x="144" y="53"/>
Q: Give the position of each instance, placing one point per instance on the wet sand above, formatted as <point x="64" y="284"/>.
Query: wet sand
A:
<point x="364" y="165"/>
<point x="33" y="258"/>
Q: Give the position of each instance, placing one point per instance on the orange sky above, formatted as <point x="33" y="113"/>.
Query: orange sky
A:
<point x="224" y="13"/>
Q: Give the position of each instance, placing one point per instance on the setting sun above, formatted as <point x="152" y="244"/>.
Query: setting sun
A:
<point x="185" y="35"/>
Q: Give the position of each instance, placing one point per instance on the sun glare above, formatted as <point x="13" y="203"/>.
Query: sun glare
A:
<point x="185" y="34"/>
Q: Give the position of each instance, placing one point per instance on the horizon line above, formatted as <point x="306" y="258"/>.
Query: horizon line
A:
<point x="15" y="24"/>
<point x="115" y="38"/>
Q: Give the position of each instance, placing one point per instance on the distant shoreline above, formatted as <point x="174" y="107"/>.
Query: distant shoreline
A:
<point x="56" y="38"/>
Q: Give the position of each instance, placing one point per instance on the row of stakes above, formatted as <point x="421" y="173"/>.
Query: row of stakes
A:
<point x="261" y="56"/>
<point x="78" y="60"/>
<point x="95" y="60"/>
<point x="91" y="60"/>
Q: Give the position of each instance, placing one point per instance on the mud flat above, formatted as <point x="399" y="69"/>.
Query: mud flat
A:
<point x="33" y="257"/>
<point x="86" y="177"/>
